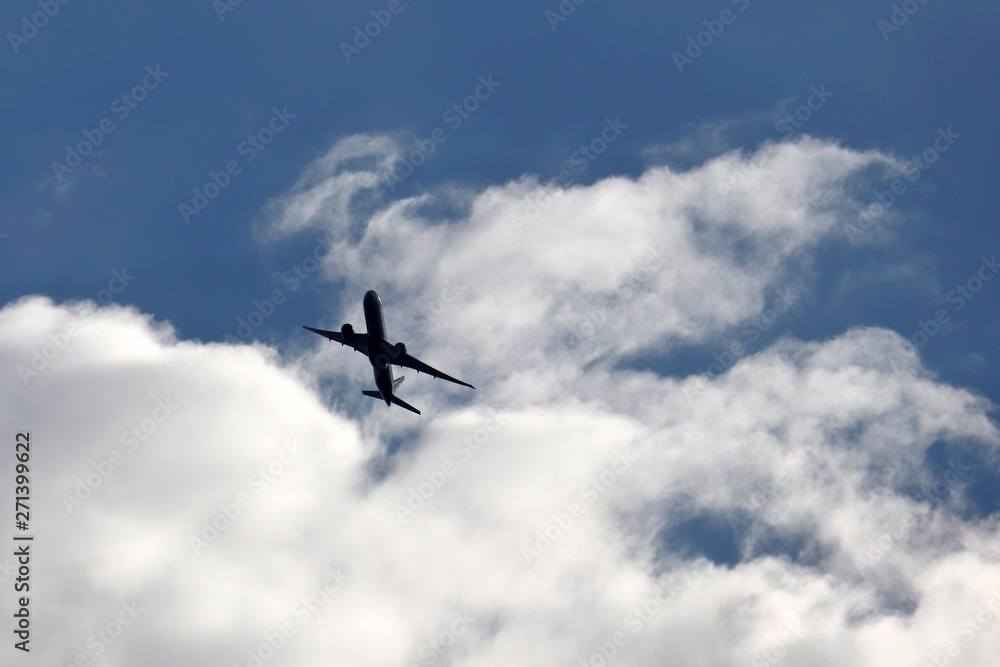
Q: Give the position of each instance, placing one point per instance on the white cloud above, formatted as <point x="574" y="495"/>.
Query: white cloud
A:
<point x="552" y="522"/>
<point x="540" y="262"/>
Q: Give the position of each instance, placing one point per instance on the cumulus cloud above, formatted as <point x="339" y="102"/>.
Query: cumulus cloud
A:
<point x="537" y="262"/>
<point x="786" y="507"/>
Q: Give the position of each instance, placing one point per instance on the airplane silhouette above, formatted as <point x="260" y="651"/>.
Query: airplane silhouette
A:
<point x="382" y="354"/>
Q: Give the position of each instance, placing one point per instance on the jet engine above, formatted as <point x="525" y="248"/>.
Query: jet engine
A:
<point x="399" y="349"/>
<point x="347" y="331"/>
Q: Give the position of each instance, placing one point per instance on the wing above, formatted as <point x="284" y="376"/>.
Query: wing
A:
<point x="358" y="341"/>
<point x="410" y="362"/>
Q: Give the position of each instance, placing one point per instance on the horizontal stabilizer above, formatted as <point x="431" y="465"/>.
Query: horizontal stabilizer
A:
<point x="395" y="399"/>
<point x="403" y="404"/>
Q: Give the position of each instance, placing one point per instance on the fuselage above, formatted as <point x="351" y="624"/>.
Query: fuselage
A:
<point x="377" y="342"/>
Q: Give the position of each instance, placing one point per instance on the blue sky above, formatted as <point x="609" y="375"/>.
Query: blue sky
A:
<point x="821" y="108"/>
<point x="225" y="76"/>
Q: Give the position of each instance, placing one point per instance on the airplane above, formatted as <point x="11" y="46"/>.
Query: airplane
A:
<point x="382" y="355"/>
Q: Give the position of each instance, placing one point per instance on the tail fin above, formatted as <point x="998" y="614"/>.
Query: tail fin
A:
<point x="398" y="381"/>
